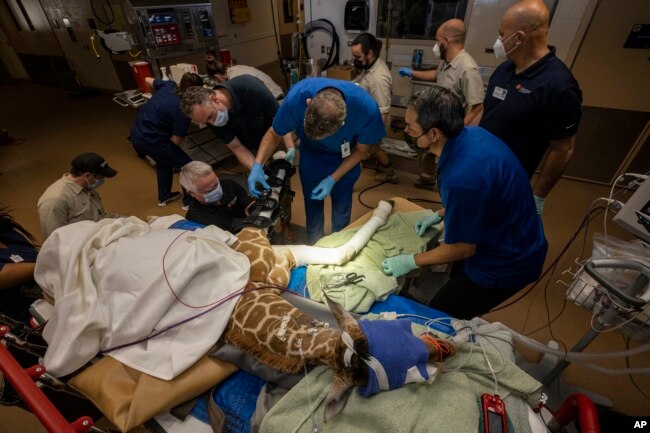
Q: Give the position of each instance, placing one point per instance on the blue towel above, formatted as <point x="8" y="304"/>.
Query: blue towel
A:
<point x="393" y="344"/>
<point x="186" y="225"/>
<point x="299" y="280"/>
<point x="236" y="396"/>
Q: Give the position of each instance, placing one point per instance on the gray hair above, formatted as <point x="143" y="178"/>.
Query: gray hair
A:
<point x="438" y="107"/>
<point x="325" y="115"/>
<point x="191" y="171"/>
<point x="195" y="95"/>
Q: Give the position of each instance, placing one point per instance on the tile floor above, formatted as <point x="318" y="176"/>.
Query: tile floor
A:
<point x="56" y="127"/>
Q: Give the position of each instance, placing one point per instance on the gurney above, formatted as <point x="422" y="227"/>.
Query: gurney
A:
<point x="290" y="296"/>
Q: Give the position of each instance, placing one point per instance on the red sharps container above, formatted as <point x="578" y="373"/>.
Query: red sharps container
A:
<point x="141" y="70"/>
<point x="225" y="56"/>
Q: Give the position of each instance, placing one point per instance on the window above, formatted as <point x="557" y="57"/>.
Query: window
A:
<point x="416" y="19"/>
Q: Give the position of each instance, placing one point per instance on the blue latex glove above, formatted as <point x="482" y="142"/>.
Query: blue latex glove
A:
<point x="256" y="175"/>
<point x="399" y="265"/>
<point x="423" y="225"/>
<point x="291" y="154"/>
<point x="539" y="204"/>
<point x="323" y="189"/>
<point x="406" y="72"/>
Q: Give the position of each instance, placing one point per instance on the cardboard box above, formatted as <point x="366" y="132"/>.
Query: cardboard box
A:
<point x="342" y="72"/>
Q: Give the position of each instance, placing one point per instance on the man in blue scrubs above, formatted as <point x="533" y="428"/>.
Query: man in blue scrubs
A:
<point x="335" y="121"/>
<point x="532" y="100"/>
<point x="493" y="235"/>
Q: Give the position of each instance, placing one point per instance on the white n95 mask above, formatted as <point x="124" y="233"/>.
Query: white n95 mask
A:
<point x="500" y="49"/>
<point x="436" y="52"/>
<point x="221" y="118"/>
<point x="214" y="195"/>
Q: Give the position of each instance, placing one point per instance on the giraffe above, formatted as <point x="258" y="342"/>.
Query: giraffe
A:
<point x="261" y="318"/>
<point x="271" y="329"/>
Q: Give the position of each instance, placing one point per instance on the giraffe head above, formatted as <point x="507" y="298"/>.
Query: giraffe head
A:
<point x="355" y="372"/>
<point x="358" y="366"/>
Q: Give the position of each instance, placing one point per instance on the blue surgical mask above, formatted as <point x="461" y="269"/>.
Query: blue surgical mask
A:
<point x="221" y="118"/>
<point x="96" y="184"/>
<point x="213" y="196"/>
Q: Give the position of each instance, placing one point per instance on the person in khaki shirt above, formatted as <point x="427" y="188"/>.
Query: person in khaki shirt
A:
<point x="458" y="72"/>
<point x="375" y="78"/>
<point x="74" y="197"/>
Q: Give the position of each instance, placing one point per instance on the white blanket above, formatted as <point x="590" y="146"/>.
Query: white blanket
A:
<point x="110" y="288"/>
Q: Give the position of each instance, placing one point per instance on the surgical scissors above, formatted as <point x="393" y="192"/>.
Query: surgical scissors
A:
<point x="350" y="278"/>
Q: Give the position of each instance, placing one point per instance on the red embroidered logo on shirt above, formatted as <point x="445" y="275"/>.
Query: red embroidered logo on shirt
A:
<point x="521" y="89"/>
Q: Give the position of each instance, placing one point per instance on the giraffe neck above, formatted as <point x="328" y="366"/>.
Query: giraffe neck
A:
<point x="267" y="326"/>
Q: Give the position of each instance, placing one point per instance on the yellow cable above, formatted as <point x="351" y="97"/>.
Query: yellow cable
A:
<point x="136" y="54"/>
<point x="92" y="44"/>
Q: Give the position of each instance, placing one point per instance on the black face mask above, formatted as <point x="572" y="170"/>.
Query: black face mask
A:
<point x="359" y="65"/>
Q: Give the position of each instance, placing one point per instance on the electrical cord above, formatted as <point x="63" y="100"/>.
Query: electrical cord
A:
<point x="586" y="219"/>
<point x="414" y="200"/>
<point x="275" y="30"/>
<point x="277" y="44"/>
<point x="627" y="364"/>
<point x="109" y="21"/>
<point x="92" y="44"/>
<point x="327" y="26"/>
<point x="489" y="364"/>
<point x="213" y="307"/>
<point x="367" y="189"/>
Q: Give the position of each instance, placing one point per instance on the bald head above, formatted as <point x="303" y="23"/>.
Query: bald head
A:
<point x="454" y="30"/>
<point x="529" y="16"/>
<point x="524" y="32"/>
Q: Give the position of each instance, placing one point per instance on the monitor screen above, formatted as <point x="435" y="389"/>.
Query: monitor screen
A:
<point x="166" y="34"/>
<point x="161" y="16"/>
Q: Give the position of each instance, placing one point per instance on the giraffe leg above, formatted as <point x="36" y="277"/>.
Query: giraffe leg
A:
<point x="307" y="255"/>
<point x="266" y="265"/>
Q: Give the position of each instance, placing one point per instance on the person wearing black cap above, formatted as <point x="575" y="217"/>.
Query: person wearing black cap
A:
<point x="74" y="197"/>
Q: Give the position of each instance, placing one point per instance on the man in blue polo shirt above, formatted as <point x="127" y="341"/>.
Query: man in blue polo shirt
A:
<point x="493" y="235"/>
<point x="335" y="121"/>
<point x="532" y="101"/>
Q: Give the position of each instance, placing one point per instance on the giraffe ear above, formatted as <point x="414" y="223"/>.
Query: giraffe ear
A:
<point x="343" y="317"/>
<point x="337" y="398"/>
